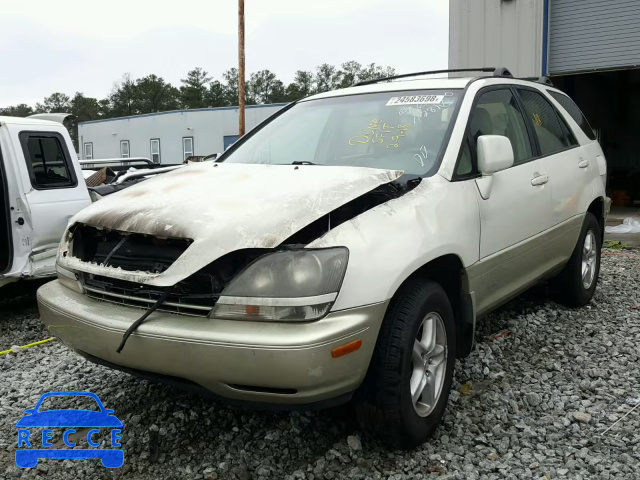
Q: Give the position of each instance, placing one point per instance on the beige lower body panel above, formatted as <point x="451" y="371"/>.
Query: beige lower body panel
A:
<point x="503" y="275"/>
<point x="217" y="354"/>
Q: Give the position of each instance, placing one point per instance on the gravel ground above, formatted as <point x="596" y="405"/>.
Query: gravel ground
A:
<point x="530" y="404"/>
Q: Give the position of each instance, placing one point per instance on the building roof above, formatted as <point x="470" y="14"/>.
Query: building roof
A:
<point x="172" y="112"/>
<point x="396" y="85"/>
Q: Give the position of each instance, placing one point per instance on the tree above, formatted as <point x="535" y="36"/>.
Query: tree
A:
<point x="20" y="110"/>
<point x="231" y="86"/>
<point x="326" y="78"/>
<point x="264" y="87"/>
<point x="104" y="108"/>
<point x="153" y="94"/>
<point x="85" y="108"/>
<point x="216" y="95"/>
<point x="349" y="74"/>
<point x="373" y="71"/>
<point x="193" y="92"/>
<point x="122" y="97"/>
<point x="302" y="86"/>
<point x="55" y="103"/>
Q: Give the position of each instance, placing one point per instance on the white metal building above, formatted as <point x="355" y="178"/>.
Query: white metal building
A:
<point x="589" y="48"/>
<point x="168" y="137"/>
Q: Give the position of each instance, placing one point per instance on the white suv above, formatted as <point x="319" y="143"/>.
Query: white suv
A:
<point x="343" y="249"/>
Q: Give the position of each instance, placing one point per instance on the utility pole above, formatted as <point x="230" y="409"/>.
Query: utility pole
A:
<point x="241" y="65"/>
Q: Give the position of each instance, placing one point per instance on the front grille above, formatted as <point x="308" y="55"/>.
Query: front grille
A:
<point x="128" y="251"/>
<point x="195" y="295"/>
<point x="180" y="301"/>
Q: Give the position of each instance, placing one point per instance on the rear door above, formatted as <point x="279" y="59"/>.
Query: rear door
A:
<point x="514" y="210"/>
<point x="569" y="165"/>
<point x="55" y="191"/>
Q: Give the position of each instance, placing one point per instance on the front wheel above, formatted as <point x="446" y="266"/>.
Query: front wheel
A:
<point x="405" y="392"/>
<point x="576" y="284"/>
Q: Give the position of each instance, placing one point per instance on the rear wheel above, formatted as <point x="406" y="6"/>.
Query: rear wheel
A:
<point x="405" y="393"/>
<point x="576" y="284"/>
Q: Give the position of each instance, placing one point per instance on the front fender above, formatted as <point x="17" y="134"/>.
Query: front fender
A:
<point x="390" y="242"/>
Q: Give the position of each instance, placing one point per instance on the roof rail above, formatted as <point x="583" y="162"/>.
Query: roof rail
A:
<point x="544" y="80"/>
<point x="496" y="72"/>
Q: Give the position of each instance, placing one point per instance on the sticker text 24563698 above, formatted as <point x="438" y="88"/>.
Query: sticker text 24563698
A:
<point x="375" y="133"/>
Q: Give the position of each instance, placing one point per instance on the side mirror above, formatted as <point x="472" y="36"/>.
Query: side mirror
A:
<point x="495" y="153"/>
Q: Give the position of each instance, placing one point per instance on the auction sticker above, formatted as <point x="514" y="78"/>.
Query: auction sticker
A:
<point x="416" y="100"/>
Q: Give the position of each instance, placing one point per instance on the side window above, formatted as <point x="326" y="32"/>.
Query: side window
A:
<point x="552" y="135"/>
<point x="575" y="112"/>
<point x="48" y="161"/>
<point x="155" y="150"/>
<point x="124" y="148"/>
<point x="187" y="147"/>
<point x="496" y="112"/>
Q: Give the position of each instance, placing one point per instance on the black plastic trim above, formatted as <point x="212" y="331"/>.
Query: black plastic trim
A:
<point x="496" y="72"/>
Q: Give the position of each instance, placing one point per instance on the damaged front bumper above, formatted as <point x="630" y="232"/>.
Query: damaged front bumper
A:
<point x="263" y="362"/>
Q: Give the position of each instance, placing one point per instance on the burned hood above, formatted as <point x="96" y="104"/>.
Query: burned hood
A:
<point x="223" y="208"/>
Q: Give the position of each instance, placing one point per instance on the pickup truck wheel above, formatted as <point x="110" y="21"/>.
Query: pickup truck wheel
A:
<point x="405" y="392"/>
<point x="576" y="284"/>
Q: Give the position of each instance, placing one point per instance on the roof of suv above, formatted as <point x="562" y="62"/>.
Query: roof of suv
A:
<point x="395" y="85"/>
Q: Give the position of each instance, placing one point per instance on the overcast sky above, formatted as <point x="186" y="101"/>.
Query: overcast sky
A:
<point x="86" y="45"/>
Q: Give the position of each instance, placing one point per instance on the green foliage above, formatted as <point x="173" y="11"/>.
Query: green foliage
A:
<point x="198" y="90"/>
<point x="20" y="110"/>
<point x="194" y="91"/>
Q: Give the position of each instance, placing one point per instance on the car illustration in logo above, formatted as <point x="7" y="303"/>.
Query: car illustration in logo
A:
<point x="101" y="422"/>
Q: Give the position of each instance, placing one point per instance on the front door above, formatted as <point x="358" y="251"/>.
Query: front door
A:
<point x="54" y="193"/>
<point x="514" y="204"/>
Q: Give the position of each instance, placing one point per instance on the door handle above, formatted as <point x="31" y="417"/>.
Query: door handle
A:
<point x="583" y="164"/>
<point x="539" y="180"/>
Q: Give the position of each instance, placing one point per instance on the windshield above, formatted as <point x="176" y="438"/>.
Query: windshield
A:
<point x="391" y="130"/>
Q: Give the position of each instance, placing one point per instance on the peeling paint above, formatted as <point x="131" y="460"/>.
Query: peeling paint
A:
<point x="224" y="209"/>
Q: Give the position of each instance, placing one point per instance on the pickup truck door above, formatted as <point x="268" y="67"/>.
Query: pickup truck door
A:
<point x="54" y="191"/>
<point x="514" y="203"/>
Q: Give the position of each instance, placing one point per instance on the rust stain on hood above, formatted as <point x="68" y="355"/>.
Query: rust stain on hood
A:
<point x="224" y="208"/>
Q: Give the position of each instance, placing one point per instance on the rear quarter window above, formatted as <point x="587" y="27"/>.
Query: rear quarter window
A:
<point x="575" y="112"/>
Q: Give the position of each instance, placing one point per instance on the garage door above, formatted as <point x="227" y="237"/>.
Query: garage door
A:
<point x="593" y="35"/>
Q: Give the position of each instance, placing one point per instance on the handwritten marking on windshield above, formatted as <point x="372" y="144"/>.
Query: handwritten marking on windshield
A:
<point x="375" y="133"/>
<point x="422" y="156"/>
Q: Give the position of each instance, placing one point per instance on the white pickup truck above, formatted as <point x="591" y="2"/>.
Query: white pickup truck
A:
<point x="42" y="185"/>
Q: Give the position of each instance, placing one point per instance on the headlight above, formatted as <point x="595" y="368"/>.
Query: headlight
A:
<point x="298" y="285"/>
<point x="69" y="279"/>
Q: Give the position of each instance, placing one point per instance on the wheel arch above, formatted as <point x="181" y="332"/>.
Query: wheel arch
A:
<point x="597" y="208"/>
<point x="449" y="272"/>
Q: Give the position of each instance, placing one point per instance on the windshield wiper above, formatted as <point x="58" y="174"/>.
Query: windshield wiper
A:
<point x="302" y="163"/>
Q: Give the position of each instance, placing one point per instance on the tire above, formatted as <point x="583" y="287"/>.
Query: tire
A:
<point x="570" y="287"/>
<point x="384" y="405"/>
